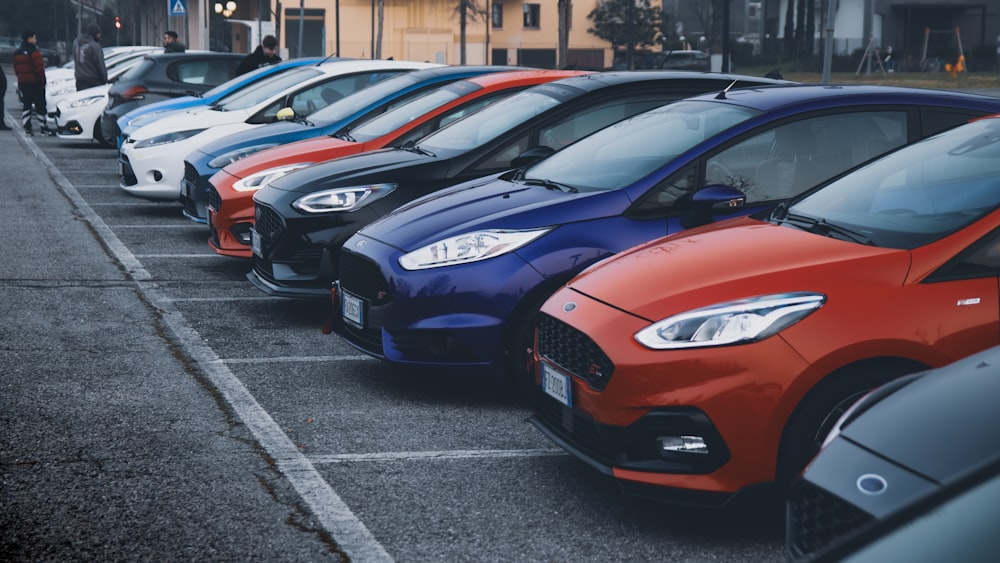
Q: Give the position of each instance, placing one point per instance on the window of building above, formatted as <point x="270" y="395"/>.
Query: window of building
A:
<point x="496" y="11"/>
<point x="531" y="16"/>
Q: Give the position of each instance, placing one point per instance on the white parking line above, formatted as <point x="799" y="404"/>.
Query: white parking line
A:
<point x="296" y="359"/>
<point x="419" y="456"/>
<point x="198" y="255"/>
<point x="165" y="226"/>
<point x="333" y="514"/>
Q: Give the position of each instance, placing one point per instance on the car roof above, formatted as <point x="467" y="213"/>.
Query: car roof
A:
<point x="349" y="65"/>
<point x="611" y="78"/>
<point x="767" y="98"/>
<point x="505" y="77"/>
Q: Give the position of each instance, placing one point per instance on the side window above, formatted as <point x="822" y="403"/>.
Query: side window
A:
<point x="936" y="120"/>
<point x="500" y="160"/>
<point x="447" y="117"/>
<point x="982" y="259"/>
<point x="793" y="157"/>
<point x="202" y="72"/>
<point x="531" y="16"/>
<point x="583" y="123"/>
<point x="658" y="200"/>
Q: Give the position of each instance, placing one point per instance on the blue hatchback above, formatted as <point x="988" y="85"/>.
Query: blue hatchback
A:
<point x="336" y="118"/>
<point x="455" y="279"/>
<point x="128" y="122"/>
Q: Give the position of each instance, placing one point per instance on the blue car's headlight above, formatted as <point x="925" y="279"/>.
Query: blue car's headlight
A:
<point x="468" y="247"/>
<point x="167" y="138"/>
<point x="342" y="199"/>
<point x="735" y="322"/>
<point x="234" y="155"/>
<point x="88" y="101"/>
<point x="258" y="180"/>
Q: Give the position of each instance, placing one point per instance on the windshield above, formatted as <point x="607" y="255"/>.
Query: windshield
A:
<point x="382" y="85"/>
<point x="249" y="78"/>
<point x="490" y="122"/>
<point x="267" y="89"/>
<point x="917" y="194"/>
<point x="629" y="150"/>
<point x="398" y="117"/>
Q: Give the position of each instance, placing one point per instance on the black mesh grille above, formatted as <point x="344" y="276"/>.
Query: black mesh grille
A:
<point x="369" y="339"/>
<point x="575" y="428"/>
<point x="214" y="199"/>
<point x="190" y="173"/>
<point x="363" y="278"/>
<point x="574" y="351"/>
<point x="268" y="224"/>
<point x="816" y="518"/>
<point x="128" y="175"/>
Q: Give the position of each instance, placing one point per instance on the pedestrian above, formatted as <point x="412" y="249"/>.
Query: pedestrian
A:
<point x="3" y="94"/>
<point x="890" y="65"/>
<point x="265" y="54"/>
<point x="171" y="44"/>
<point x="88" y="59"/>
<point x="29" y="67"/>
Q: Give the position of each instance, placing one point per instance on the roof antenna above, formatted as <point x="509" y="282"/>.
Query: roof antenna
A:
<point x="722" y="95"/>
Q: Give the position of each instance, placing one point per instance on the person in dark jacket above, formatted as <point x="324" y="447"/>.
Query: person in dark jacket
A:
<point x="171" y="44"/>
<point x="29" y="67"/>
<point x="88" y="59"/>
<point x="265" y="54"/>
<point x="3" y="93"/>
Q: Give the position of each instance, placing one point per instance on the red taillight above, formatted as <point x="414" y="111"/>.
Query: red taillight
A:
<point x="134" y="93"/>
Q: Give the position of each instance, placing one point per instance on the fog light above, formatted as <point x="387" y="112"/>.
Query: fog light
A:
<point x="681" y="444"/>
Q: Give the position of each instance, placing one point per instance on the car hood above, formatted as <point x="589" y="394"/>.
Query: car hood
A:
<point x="949" y="415"/>
<point x="311" y="150"/>
<point x="383" y="166"/>
<point x="730" y="260"/>
<point x="495" y="204"/>
<point x="279" y="132"/>
<point x="201" y="118"/>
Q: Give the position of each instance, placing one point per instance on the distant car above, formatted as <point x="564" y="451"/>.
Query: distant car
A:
<point x="151" y="158"/>
<point x="230" y="197"/>
<point x="455" y="281"/>
<point x="683" y="60"/>
<point x="202" y="163"/>
<point x="896" y="446"/>
<point x="146" y="114"/>
<point x="302" y="219"/>
<point x="166" y="75"/>
<point x="713" y="363"/>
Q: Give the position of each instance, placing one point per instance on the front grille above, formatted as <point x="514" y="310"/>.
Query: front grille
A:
<point x="268" y="224"/>
<point x="128" y="175"/>
<point x="214" y="199"/>
<point x="574" y="351"/>
<point x="362" y="277"/>
<point x="368" y="339"/>
<point x="190" y="173"/>
<point x="817" y="518"/>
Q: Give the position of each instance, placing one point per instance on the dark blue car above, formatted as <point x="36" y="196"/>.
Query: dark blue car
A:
<point x="146" y="112"/>
<point x="337" y="118"/>
<point x="455" y="279"/>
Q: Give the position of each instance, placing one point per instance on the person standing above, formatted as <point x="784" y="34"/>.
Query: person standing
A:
<point x="3" y="94"/>
<point x="265" y="54"/>
<point x="171" y="44"/>
<point x="29" y="67"/>
<point x="88" y="59"/>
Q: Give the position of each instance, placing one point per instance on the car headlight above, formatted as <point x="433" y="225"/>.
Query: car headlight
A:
<point x="89" y="101"/>
<point x="258" y="180"/>
<point x="468" y="247"/>
<point x="167" y="138"/>
<point x="342" y="199"/>
<point x="735" y="322"/>
<point x="234" y="155"/>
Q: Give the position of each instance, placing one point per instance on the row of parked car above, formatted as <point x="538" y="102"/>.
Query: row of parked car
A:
<point x="694" y="276"/>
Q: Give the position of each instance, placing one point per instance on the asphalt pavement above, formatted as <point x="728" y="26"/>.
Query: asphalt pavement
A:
<point x="112" y="446"/>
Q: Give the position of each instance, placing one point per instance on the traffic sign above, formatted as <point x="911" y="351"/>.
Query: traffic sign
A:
<point x="177" y="7"/>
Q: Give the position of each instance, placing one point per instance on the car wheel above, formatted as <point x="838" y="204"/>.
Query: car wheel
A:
<point x="99" y="135"/>
<point x="520" y="344"/>
<point x="822" y="407"/>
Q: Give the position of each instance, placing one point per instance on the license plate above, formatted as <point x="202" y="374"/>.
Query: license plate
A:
<point x="255" y="244"/>
<point x="352" y="309"/>
<point x="557" y="385"/>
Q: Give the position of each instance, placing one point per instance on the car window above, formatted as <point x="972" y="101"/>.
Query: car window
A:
<point x="450" y="116"/>
<point x="200" y="71"/>
<point x="267" y="89"/>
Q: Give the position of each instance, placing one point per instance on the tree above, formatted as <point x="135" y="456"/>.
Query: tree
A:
<point x="562" y="55"/>
<point x="466" y="9"/>
<point x="629" y="23"/>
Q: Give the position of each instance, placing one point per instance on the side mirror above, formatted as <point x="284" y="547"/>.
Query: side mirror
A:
<point x="713" y="200"/>
<point x="285" y="114"/>
<point x="531" y="156"/>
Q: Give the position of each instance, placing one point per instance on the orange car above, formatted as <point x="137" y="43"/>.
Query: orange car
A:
<point x="230" y="207"/>
<point x="715" y="361"/>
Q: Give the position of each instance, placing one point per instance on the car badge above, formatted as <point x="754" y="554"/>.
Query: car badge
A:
<point x="871" y="484"/>
<point x="361" y="244"/>
<point x="569" y="306"/>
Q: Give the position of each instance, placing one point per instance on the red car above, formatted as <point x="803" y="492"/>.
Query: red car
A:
<point x="231" y="209"/>
<point x="715" y="361"/>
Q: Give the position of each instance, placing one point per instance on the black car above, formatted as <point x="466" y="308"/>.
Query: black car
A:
<point x="304" y="218"/>
<point x="901" y="444"/>
<point x="166" y="75"/>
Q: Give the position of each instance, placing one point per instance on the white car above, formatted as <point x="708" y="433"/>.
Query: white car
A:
<point x="77" y="117"/>
<point x="151" y="159"/>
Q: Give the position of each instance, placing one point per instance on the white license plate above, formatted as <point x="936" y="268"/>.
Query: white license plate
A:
<point x="255" y="244"/>
<point x="557" y="385"/>
<point x="352" y="309"/>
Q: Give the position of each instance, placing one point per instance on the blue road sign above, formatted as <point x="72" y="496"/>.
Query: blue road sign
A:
<point x="177" y="7"/>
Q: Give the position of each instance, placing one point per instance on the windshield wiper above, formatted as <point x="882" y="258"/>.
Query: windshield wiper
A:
<point x="415" y="148"/>
<point x="822" y="227"/>
<point x="550" y="185"/>
<point x="345" y="136"/>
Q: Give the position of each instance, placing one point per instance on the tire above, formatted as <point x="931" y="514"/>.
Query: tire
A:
<point x="520" y="343"/>
<point x="823" y="406"/>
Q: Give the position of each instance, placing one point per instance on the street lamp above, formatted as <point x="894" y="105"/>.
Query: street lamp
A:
<point x="226" y="9"/>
